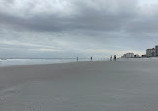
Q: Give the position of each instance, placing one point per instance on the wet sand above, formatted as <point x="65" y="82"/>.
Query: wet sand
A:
<point x="80" y="86"/>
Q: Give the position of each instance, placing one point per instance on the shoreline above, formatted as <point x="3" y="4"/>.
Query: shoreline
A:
<point x="15" y="74"/>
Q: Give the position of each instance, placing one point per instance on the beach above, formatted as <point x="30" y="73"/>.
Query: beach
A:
<point x="80" y="86"/>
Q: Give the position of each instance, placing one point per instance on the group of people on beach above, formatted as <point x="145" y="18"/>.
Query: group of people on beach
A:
<point x="113" y="58"/>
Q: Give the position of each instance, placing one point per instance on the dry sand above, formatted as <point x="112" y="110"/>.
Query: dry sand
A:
<point x="81" y="86"/>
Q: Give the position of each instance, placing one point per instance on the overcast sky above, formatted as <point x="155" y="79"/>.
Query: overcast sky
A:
<point x="71" y="28"/>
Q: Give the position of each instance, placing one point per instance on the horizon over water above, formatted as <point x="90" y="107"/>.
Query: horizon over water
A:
<point x="37" y="61"/>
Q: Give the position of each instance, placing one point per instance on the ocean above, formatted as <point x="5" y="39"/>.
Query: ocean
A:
<point x="12" y="62"/>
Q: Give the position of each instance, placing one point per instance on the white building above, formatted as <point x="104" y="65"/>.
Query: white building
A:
<point x="128" y="55"/>
<point x="150" y="52"/>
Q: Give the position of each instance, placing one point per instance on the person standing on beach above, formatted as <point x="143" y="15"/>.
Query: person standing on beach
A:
<point x="114" y="57"/>
<point x="77" y="59"/>
<point x="91" y="58"/>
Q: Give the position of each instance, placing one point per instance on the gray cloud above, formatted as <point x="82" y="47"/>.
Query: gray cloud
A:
<point x="85" y="17"/>
<point x="91" y="16"/>
<point x="71" y="26"/>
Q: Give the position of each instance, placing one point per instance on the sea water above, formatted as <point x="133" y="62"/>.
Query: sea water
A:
<point x="11" y="62"/>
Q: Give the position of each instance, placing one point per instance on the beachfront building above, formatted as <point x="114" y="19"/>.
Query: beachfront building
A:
<point x="150" y="52"/>
<point x="128" y="55"/>
<point x="156" y="50"/>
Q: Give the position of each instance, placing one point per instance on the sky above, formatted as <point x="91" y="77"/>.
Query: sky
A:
<point x="71" y="28"/>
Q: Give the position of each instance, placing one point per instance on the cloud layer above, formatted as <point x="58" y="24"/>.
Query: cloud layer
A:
<point x="64" y="28"/>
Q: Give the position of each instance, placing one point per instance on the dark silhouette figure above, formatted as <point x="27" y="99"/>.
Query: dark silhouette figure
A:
<point x="114" y="57"/>
<point x="77" y="59"/>
<point x="91" y="58"/>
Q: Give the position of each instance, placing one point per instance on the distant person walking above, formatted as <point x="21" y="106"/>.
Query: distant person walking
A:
<point x="114" y="57"/>
<point x="77" y="59"/>
<point x="91" y="58"/>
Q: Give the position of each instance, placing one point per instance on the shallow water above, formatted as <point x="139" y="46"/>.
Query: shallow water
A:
<point x="12" y="62"/>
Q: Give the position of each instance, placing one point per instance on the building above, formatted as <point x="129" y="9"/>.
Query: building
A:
<point x="128" y="55"/>
<point x="156" y="50"/>
<point x="150" y="52"/>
